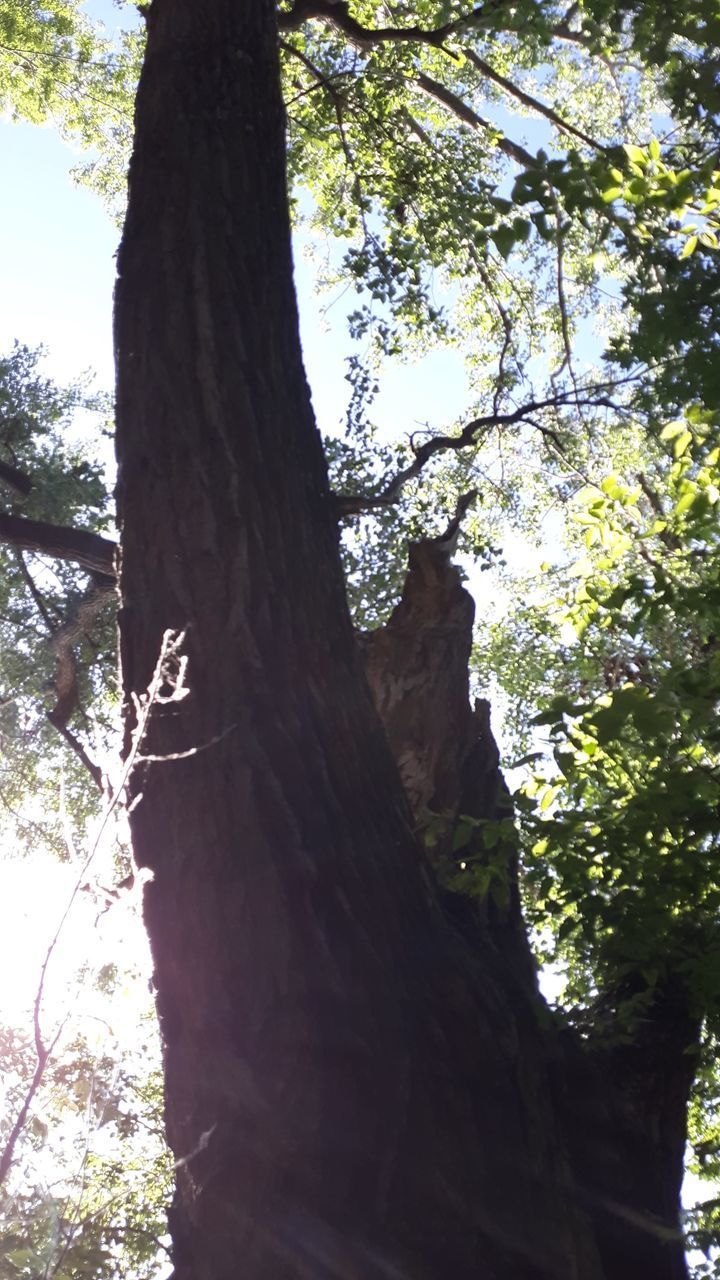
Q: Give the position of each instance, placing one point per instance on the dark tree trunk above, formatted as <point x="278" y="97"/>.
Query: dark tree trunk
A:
<point x="357" y="1084"/>
<point x="621" y="1090"/>
<point x="623" y="1095"/>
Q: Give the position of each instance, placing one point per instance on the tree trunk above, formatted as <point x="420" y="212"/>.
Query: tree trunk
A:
<point x="357" y="1085"/>
<point x="623" y="1094"/>
<point x="621" y="1090"/>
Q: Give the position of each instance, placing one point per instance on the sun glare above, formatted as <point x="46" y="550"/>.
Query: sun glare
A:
<point x="98" y="931"/>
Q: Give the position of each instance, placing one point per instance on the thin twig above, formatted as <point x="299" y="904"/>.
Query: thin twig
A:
<point x="566" y="362"/>
<point x="40" y="603"/>
<point x="594" y="396"/>
<point x="171" y="644"/>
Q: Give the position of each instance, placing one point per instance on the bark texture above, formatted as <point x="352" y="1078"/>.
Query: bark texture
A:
<point x="80" y="546"/>
<point x="417" y="667"/>
<point x="357" y="1084"/>
<point x="620" y="1090"/>
<point x="623" y="1095"/>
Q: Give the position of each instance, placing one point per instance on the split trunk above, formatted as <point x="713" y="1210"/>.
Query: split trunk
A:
<point x="361" y="1080"/>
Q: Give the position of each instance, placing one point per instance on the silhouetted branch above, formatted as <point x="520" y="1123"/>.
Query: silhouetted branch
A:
<point x="16" y="479"/>
<point x="527" y="100"/>
<point x="90" y="550"/>
<point x="338" y="16"/>
<point x="468" y="116"/>
<point x="590" y="397"/>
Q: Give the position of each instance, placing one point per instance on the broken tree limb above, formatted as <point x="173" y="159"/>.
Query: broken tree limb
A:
<point x="443" y="745"/>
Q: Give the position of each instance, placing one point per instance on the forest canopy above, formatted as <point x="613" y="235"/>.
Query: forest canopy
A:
<point x="534" y="189"/>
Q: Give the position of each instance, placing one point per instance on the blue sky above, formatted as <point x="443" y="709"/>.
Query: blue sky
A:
<point x="57" y="251"/>
<point x="57" y="268"/>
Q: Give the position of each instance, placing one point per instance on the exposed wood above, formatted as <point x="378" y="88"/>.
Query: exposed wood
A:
<point x="417" y="667"/>
<point x="62" y="643"/>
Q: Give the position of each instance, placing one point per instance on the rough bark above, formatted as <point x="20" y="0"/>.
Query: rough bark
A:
<point x="355" y="1086"/>
<point x="417" y="667"/>
<point x="80" y="546"/>
<point x="622" y="1092"/>
<point x="348" y="1089"/>
<point x="621" y="1089"/>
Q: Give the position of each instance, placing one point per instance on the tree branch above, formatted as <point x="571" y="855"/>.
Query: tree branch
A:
<point x="78" y="749"/>
<point x="563" y="31"/>
<point x="434" y="89"/>
<point x="364" y="38"/>
<point x="338" y="15"/>
<point x="468" y="116"/>
<point x="356" y="504"/>
<point x="80" y="546"/>
<point x="61" y="640"/>
<point x="15" y="479"/>
<point x="37" y="596"/>
<point x="8" y="1152"/>
<point x="66" y="685"/>
<point x="145" y="705"/>
<point x="338" y="102"/>
<point x="43" y="1053"/>
<point x="534" y="104"/>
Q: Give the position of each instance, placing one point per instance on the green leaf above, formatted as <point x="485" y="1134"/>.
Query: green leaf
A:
<point x="549" y="796"/>
<point x="686" y="501"/>
<point x="672" y="429"/>
<point x="635" y="154"/>
<point x="681" y="443"/>
<point x="568" y="926"/>
<point x="689" y="247"/>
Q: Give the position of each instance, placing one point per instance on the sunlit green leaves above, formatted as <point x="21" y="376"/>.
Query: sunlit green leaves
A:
<point x="44" y="433"/>
<point x="627" y="821"/>
<point x="57" y="65"/>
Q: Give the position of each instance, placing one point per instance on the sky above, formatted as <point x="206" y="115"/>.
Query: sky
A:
<point x="57" y="270"/>
<point x="57" y="262"/>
